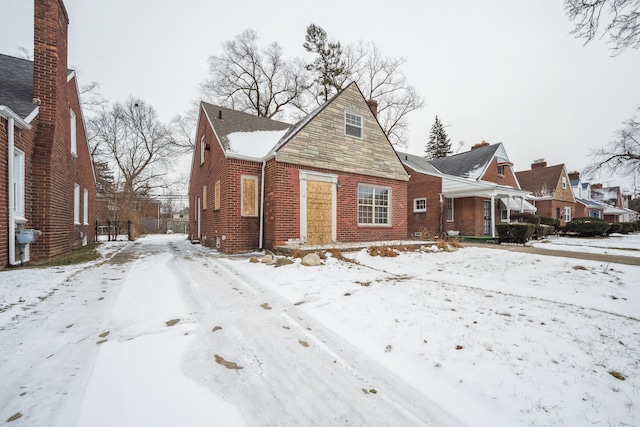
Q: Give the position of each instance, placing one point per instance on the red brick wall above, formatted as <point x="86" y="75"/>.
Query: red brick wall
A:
<point x="548" y="208"/>
<point x="4" y="193"/>
<point x="423" y="185"/>
<point x="491" y="175"/>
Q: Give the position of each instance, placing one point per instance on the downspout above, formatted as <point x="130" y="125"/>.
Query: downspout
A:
<point x="441" y="215"/>
<point x="264" y="164"/>
<point x="11" y="170"/>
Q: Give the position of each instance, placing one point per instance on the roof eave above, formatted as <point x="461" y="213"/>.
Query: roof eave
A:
<point x="8" y="113"/>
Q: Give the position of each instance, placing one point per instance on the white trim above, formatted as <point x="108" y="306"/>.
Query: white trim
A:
<point x="85" y="207"/>
<point x="420" y="210"/>
<point x="76" y="204"/>
<point x="446" y="209"/>
<point x="389" y="222"/>
<point x="73" y="132"/>
<point x="7" y="113"/>
<point x="361" y="127"/>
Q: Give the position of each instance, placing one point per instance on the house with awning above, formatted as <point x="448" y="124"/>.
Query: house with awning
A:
<point x="468" y="193"/>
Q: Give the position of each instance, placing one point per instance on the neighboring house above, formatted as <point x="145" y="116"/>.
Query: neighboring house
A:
<point x="551" y="190"/>
<point x="47" y="182"/>
<point x="468" y="192"/>
<point x="331" y="177"/>
<point x="611" y="199"/>
<point x="116" y="214"/>
<point x="581" y="189"/>
<point x="585" y="207"/>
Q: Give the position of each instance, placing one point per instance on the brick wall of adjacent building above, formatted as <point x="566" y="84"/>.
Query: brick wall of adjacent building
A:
<point x="422" y="185"/>
<point x="549" y="208"/>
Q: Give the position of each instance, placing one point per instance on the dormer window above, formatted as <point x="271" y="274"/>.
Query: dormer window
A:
<point x="501" y="170"/>
<point x="564" y="182"/>
<point x="353" y="124"/>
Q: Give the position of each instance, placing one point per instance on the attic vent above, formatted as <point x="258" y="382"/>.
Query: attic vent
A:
<point x="220" y="114"/>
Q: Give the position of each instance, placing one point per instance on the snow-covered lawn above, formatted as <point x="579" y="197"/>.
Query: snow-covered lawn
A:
<point x="494" y="338"/>
<point x="616" y="244"/>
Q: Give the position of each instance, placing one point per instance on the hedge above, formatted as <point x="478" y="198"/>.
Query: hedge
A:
<point x="547" y="220"/>
<point x="616" y="227"/>
<point x="628" y="227"/>
<point x="515" y="232"/>
<point x="589" y="227"/>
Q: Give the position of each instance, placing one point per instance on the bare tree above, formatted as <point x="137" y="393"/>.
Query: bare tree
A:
<point x="130" y="137"/>
<point x="621" y="21"/>
<point x="380" y="78"/>
<point x="91" y="99"/>
<point x="622" y="155"/>
<point x="254" y="80"/>
<point x="184" y="129"/>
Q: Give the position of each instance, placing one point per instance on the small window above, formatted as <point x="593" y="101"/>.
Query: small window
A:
<point x="567" y="214"/>
<point x="85" y="205"/>
<point x="249" y="191"/>
<point x="72" y="132"/>
<point x="501" y="170"/>
<point x="374" y="205"/>
<point x="449" y="209"/>
<point x="503" y="215"/>
<point x="420" y="205"/>
<point x="202" y="147"/>
<point x="564" y="182"/>
<point x="76" y="204"/>
<point x="216" y="202"/>
<point x="353" y="125"/>
<point x="204" y="198"/>
<point x="18" y="185"/>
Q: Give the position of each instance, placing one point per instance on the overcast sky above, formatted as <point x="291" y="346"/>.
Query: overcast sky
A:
<point x="494" y="70"/>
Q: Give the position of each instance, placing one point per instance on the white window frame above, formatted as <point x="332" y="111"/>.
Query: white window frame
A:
<point x="18" y="186"/>
<point x="449" y="209"/>
<point x="350" y="122"/>
<point x="255" y="179"/>
<point x="76" y="204"/>
<point x="416" y="202"/>
<point x="564" y="182"/>
<point x="85" y="207"/>
<point x="567" y="213"/>
<point x="202" y="147"/>
<point x="503" y="215"/>
<point x="73" y="132"/>
<point x="374" y="206"/>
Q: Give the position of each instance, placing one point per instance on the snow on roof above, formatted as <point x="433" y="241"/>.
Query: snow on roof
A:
<point x="254" y="144"/>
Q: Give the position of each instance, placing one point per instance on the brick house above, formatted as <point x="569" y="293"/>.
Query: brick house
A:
<point x="47" y="182"/>
<point x="551" y="191"/>
<point x="331" y="177"/>
<point x="467" y="193"/>
<point x="585" y="206"/>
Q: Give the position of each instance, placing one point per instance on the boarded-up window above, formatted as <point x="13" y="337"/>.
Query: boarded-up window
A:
<point x="204" y="198"/>
<point x="216" y="202"/>
<point x="249" y="195"/>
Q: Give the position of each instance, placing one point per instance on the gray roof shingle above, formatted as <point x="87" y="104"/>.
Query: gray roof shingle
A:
<point x="468" y="164"/>
<point x="16" y="85"/>
<point x="226" y="121"/>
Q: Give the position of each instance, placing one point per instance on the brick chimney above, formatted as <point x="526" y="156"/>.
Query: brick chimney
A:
<point x="596" y="186"/>
<point x="49" y="56"/>
<point x="574" y="175"/>
<point x="480" y="145"/>
<point x="540" y="163"/>
<point x="373" y="106"/>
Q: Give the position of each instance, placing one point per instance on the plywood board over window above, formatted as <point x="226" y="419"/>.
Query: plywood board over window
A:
<point x="216" y="194"/>
<point x="319" y="212"/>
<point x="249" y="195"/>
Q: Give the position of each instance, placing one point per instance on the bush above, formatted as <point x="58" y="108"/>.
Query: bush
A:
<point x="528" y="218"/>
<point x="616" y="227"/>
<point x="588" y="227"/>
<point x="628" y="227"/>
<point x="515" y="232"/>
<point x="543" y="230"/>
<point x="547" y="220"/>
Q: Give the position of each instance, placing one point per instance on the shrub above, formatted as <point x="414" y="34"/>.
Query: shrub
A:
<point x="543" y="230"/>
<point x="628" y="227"/>
<point x="615" y="227"/>
<point x="526" y="217"/>
<point x="588" y="227"/>
<point x="515" y="232"/>
<point x="547" y="220"/>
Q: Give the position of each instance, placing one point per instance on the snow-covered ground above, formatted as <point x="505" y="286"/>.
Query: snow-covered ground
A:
<point x="477" y="337"/>
<point x="616" y="244"/>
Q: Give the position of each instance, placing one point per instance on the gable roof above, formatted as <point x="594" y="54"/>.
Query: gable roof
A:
<point x="16" y="85"/>
<point x="541" y="181"/>
<point x="471" y="164"/>
<point x="590" y="203"/>
<point x="608" y="195"/>
<point x="228" y="124"/>
<point x="418" y="163"/>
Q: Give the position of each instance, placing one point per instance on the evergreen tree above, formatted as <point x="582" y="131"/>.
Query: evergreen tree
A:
<point x="439" y="144"/>
<point x="329" y="66"/>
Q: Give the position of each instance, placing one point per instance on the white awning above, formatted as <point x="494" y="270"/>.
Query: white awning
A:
<point x="515" y="204"/>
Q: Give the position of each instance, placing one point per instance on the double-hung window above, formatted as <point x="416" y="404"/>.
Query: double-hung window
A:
<point x="374" y="205"/>
<point x="449" y="209"/>
<point x="76" y="204"/>
<point x="72" y="132"/>
<point x="353" y="124"/>
<point x="18" y="186"/>
<point x="567" y="214"/>
<point x="85" y="207"/>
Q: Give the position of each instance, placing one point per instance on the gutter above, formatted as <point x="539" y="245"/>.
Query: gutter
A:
<point x="264" y="163"/>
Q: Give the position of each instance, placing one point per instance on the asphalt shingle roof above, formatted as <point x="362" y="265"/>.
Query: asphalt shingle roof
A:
<point x="419" y="163"/>
<point x="226" y="121"/>
<point x="16" y="85"/>
<point x="468" y="164"/>
<point x="541" y="181"/>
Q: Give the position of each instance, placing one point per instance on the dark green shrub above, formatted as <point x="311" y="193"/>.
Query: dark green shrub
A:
<point x="515" y="232"/>
<point x="588" y="227"/>
<point x="543" y="230"/>
<point x="615" y="227"/>
<point x="526" y="217"/>
<point x="547" y="220"/>
<point x="628" y="227"/>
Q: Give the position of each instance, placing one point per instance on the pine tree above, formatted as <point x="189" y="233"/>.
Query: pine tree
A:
<point x="329" y="65"/>
<point x="439" y="144"/>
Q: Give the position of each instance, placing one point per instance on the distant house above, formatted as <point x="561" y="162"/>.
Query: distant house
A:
<point x="468" y="193"/>
<point x="331" y="177"/>
<point x="551" y="190"/>
<point x="47" y="183"/>
<point x="585" y="206"/>
<point x="611" y="199"/>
